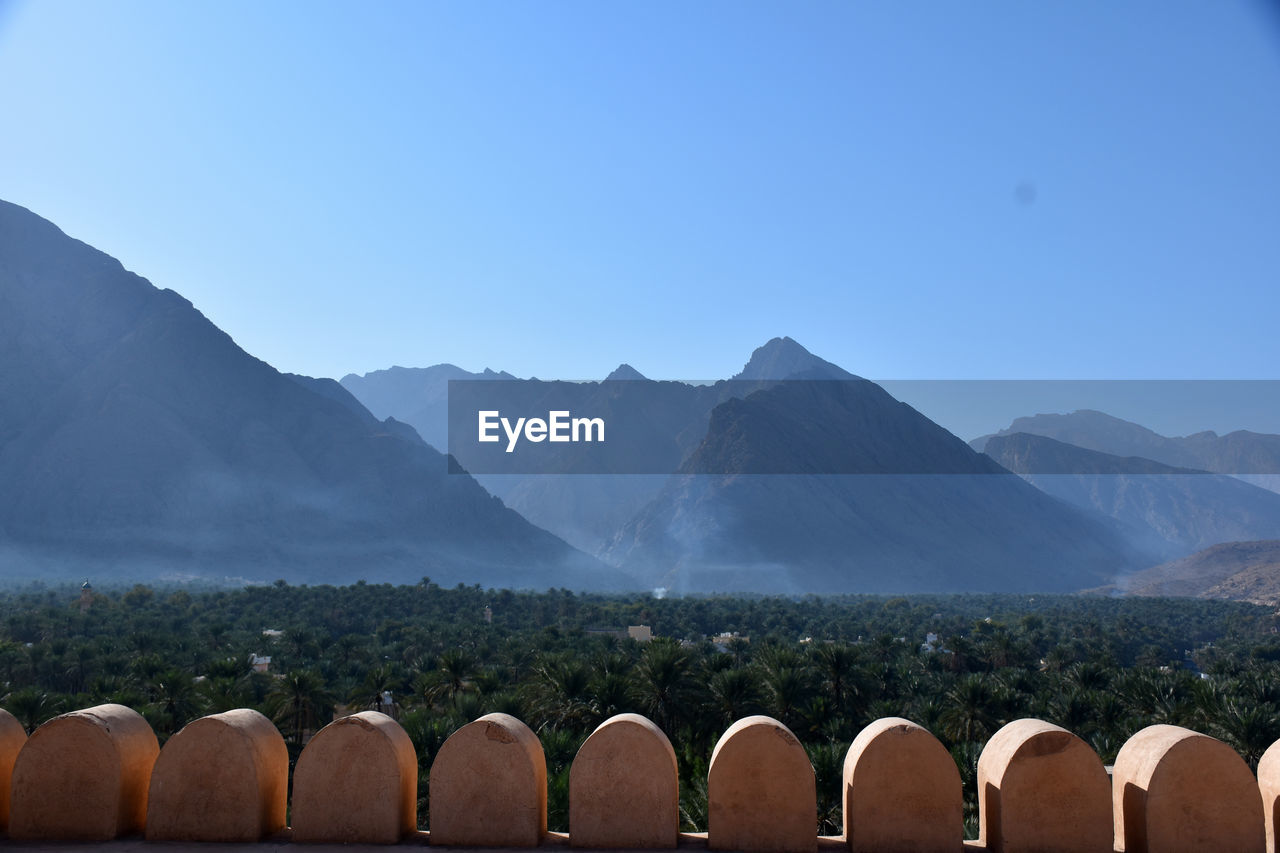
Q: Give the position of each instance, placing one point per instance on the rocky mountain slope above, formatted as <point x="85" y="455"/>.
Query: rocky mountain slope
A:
<point x="138" y="440"/>
<point x="837" y="487"/>
<point x="1172" y="511"/>
<point x="1241" y="571"/>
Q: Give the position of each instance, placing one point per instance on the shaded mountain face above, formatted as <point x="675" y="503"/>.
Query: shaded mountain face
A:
<point x="887" y="501"/>
<point x="783" y="358"/>
<point x="1239" y="571"/>
<point x="587" y="509"/>
<point x="419" y="396"/>
<point x="829" y="427"/>
<point x="138" y="440"/>
<point x="1240" y="452"/>
<point x="658" y="423"/>
<point x="1169" y="510"/>
<point x="913" y="509"/>
<point x="624" y="372"/>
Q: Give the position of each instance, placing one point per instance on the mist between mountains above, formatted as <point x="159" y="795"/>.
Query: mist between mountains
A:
<point x="860" y="427"/>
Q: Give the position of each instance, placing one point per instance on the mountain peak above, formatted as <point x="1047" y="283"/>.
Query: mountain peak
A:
<point x="138" y="438"/>
<point x="624" y="371"/>
<point x="784" y="358"/>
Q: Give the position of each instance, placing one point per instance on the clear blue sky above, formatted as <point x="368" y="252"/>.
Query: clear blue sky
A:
<point x="934" y="190"/>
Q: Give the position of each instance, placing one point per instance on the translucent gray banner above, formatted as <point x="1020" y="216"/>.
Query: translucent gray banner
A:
<point x="855" y="426"/>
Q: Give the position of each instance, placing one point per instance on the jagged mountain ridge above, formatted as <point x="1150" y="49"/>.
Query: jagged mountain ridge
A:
<point x="784" y="358"/>
<point x="1172" y="511"/>
<point x="1254" y="456"/>
<point x="385" y="392"/>
<point x="912" y="509"/>
<point x="588" y="509"/>
<point x="625" y="373"/>
<point x="138" y="438"/>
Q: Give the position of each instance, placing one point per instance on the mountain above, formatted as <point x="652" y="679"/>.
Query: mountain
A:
<point x="418" y="396"/>
<point x="588" y="508"/>
<point x="783" y="358"/>
<point x="585" y="497"/>
<point x="891" y="502"/>
<point x="624" y="372"/>
<point x="1171" y="511"/>
<point x="1240" y="571"/>
<point x="138" y="440"/>
<point x="1253" y="456"/>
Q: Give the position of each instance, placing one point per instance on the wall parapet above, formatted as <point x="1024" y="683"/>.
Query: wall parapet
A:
<point x="98" y="774"/>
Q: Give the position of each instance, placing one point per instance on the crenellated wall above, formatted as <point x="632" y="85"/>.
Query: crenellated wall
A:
<point x="97" y="774"/>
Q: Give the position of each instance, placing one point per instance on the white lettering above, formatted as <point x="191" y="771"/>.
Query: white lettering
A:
<point x="559" y="422"/>
<point x="558" y="427"/>
<point x="588" y="424"/>
<point x="487" y="425"/>
<point x="513" y="435"/>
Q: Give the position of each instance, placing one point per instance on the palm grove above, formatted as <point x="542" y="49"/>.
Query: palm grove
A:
<point x="1102" y="668"/>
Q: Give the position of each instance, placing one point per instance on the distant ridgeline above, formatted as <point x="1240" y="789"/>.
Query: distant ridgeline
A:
<point x="139" y="441"/>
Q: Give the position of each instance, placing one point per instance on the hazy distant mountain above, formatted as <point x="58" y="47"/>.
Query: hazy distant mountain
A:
<point x="585" y="505"/>
<point x="1240" y="571"/>
<point x="1255" y="455"/>
<point x="913" y="508"/>
<point x="418" y="396"/>
<point x="587" y="510"/>
<point x="138" y="439"/>
<point x="1169" y="510"/>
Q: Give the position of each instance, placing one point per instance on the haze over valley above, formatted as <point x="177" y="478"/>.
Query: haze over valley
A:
<point x="140" y="442"/>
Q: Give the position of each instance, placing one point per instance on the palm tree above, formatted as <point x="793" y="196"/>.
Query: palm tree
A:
<point x="32" y="706"/>
<point x="999" y="649"/>
<point x="961" y="652"/>
<point x="561" y="693"/>
<point x="381" y="681"/>
<point x="786" y="689"/>
<point x="223" y="693"/>
<point x="218" y="634"/>
<point x="347" y="646"/>
<point x="1249" y="727"/>
<point x="454" y="675"/>
<point x="300" y="644"/>
<point x="828" y="770"/>
<point x="966" y="755"/>
<point x="174" y="700"/>
<point x="1089" y="676"/>
<point x="1159" y="697"/>
<point x="735" y="693"/>
<point x="298" y="700"/>
<point x="610" y="694"/>
<point x="10" y="655"/>
<point x="661" y="682"/>
<point x="79" y="666"/>
<point x="969" y="717"/>
<point x="1075" y="710"/>
<point x="837" y="662"/>
<point x="119" y="689"/>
